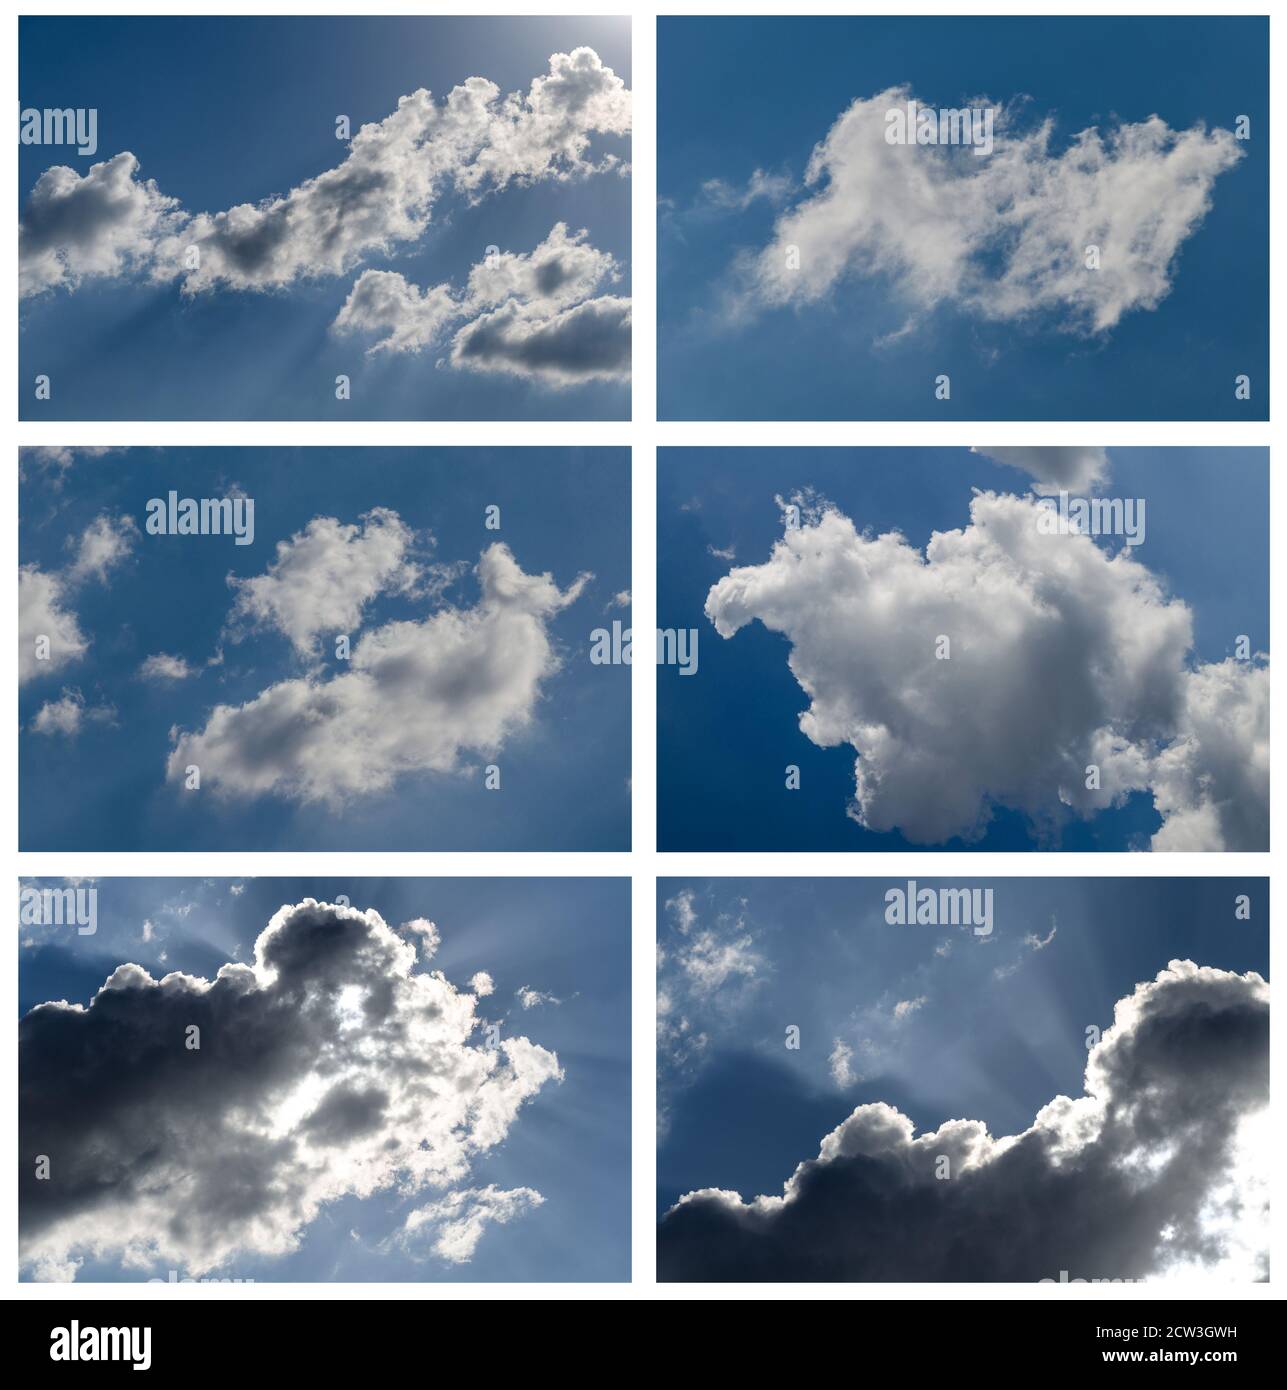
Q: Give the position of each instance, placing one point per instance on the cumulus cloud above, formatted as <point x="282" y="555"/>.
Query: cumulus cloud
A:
<point x="111" y="223"/>
<point x="430" y="937"/>
<point x="529" y="315"/>
<point x="1160" y="1168"/>
<point x="1062" y="656"/>
<point x="419" y="697"/>
<point x="452" y="1226"/>
<point x="161" y="666"/>
<point x="49" y="633"/>
<point x="905" y="1008"/>
<point x="43" y="616"/>
<point x="588" y="342"/>
<point x="1056" y="469"/>
<point x="330" y="1067"/>
<point x="103" y="545"/>
<point x="68" y="714"/>
<point x="482" y="984"/>
<point x="324" y="576"/>
<point x="1005" y="236"/>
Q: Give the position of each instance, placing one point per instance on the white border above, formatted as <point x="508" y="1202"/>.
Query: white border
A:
<point x="643" y="435"/>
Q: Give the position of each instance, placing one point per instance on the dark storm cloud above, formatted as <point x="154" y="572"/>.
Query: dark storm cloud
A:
<point x="1153" y="1169"/>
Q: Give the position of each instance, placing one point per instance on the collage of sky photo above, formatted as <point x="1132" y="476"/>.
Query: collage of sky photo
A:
<point x="254" y="1080"/>
<point x="436" y="210"/>
<point x="943" y="668"/>
<point x="401" y="655"/>
<point x="1066" y="1080"/>
<point x="811" y="267"/>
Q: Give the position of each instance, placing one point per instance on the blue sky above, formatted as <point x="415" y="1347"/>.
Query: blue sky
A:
<point x="228" y="111"/>
<point x="564" y="774"/>
<point x="726" y="733"/>
<point x="823" y="958"/>
<point x="781" y="84"/>
<point x="567" y="938"/>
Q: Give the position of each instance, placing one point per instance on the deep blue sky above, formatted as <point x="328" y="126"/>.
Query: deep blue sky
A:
<point x="565" y="780"/>
<point x="736" y="94"/>
<point x="725" y="734"/>
<point x="980" y="1048"/>
<point x="567" y="937"/>
<point x="222" y="111"/>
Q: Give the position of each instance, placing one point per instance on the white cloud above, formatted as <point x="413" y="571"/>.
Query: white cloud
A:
<point x="103" y="545"/>
<point x="1062" y="656"/>
<point x="68" y="714"/>
<point x="840" y="1062"/>
<point x="324" y="576"/>
<point x="329" y="1068"/>
<point x="49" y="633"/>
<point x="1003" y="236"/>
<point x="1056" y="469"/>
<point x="533" y="998"/>
<point x="160" y="666"/>
<point x="430" y="937"/>
<point x="54" y="461"/>
<point x="530" y="315"/>
<point x="1161" y="1167"/>
<point x="708" y="968"/>
<point x="906" y="1007"/>
<point x="419" y="697"/>
<point x="482" y="984"/>
<point x="42" y="613"/>
<point x="111" y="223"/>
<point x="722" y="196"/>
<point x="455" y="1224"/>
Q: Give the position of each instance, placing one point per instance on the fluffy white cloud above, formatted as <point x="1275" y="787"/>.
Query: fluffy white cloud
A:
<point x="529" y="315"/>
<point x="330" y="1067"/>
<point x="68" y="714"/>
<point x="1003" y="236"/>
<point x="324" y="576"/>
<point x="111" y="223"/>
<point x="588" y="342"/>
<point x="1161" y="1167"/>
<point x="46" y="622"/>
<point x="43" y="614"/>
<point x="482" y="984"/>
<point x="1056" y="469"/>
<point x="101" y="224"/>
<point x="430" y="937"/>
<point x="1062" y="655"/>
<point x="161" y="666"/>
<point x="453" y="1225"/>
<point x="418" y="697"/>
<point x="103" y="545"/>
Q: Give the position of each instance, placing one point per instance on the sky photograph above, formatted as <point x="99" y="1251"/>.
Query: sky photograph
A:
<point x="288" y="1080"/>
<point x="266" y="218"/>
<point x="323" y="649"/>
<point x="986" y="649"/>
<point x="972" y="218"/>
<point x="1042" y="1079"/>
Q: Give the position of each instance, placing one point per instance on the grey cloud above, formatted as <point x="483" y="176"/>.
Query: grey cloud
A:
<point x="1159" y="1168"/>
<point x="329" y="1067"/>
